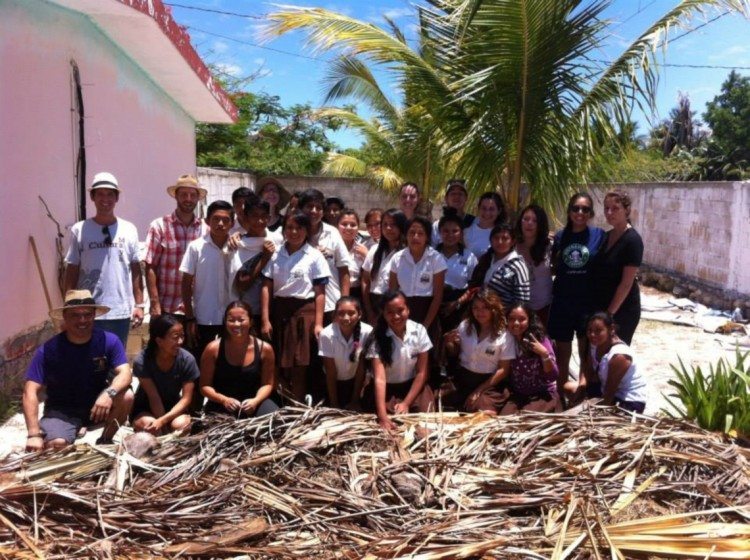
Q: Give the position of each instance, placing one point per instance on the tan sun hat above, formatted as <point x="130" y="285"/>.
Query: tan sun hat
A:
<point x="75" y="299"/>
<point x="284" y="195"/>
<point x="104" y="180"/>
<point x="188" y="182"/>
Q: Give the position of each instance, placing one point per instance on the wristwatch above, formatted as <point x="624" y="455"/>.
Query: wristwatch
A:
<point x="140" y="306"/>
<point x="112" y="392"/>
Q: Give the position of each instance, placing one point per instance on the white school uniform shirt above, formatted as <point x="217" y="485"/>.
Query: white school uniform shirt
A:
<point x="333" y="248"/>
<point x="485" y="355"/>
<point x="460" y="268"/>
<point x="355" y="272"/>
<point x="295" y="275"/>
<point x="416" y="278"/>
<point x="496" y="265"/>
<point x="248" y="248"/>
<point x="633" y="386"/>
<point x="332" y="344"/>
<point x="379" y="284"/>
<point x="477" y="239"/>
<point x="208" y="264"/>
<point x="405" y="352"/>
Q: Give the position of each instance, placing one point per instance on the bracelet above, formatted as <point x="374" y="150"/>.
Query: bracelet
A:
<point x="30" y="436"/>
<point x="547" y="359"/>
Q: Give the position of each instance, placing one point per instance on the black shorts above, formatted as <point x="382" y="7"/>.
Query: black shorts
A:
<point x="58" y="424"/>
<point x="567" y="317"/>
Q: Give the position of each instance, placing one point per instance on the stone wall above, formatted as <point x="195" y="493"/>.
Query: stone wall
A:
<point x="700" y="231"/>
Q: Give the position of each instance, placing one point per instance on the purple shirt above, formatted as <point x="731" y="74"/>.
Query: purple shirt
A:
<point x="75" y="374"/>
<point x="527" y="375"/>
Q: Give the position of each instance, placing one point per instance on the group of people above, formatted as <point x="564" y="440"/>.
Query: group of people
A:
<point x="250" y="307"/>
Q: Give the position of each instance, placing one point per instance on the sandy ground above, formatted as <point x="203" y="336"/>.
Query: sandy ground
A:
<point x="657" y="344"/>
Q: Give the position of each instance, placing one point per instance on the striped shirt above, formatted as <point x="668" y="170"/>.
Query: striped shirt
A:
<point x="166" y="242"/>
<point x="511" y="281"/>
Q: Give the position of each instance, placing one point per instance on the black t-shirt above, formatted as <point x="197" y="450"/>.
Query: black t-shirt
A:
<point x="573" y="255"/>
<point x="609" y="265"/>
<point x="168" y="383"/>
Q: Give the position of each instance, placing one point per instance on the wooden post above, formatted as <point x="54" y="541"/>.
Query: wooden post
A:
<point x="41" y="272"/>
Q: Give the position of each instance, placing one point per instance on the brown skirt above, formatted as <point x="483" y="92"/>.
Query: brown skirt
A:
<point x="545" y="402"/>
<point x="293" y="320"/>
<point x="466" y="382"/>
<point x="418" y="309"/>
<point x="396" y="393"/>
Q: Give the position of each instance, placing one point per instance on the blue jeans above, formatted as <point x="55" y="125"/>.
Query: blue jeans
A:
<point x="118" y="327"/>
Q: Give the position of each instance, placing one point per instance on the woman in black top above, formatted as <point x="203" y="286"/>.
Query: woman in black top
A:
<point x="616" y="265"/>
<point x="237" y="371"/>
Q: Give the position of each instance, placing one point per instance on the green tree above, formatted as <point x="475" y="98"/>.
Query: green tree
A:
<point x="267" y="138"/>
<point x="681" y="129"/>
<point x="513" y="88"/>
<point x="728" y="115"/>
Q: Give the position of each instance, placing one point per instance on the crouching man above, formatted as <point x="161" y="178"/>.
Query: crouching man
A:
<point x="86" y="376"/>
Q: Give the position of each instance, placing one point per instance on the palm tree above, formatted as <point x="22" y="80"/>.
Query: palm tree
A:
<point x="512" y="91"/>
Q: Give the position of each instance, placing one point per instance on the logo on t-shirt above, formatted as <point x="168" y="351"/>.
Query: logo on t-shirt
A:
<point x="425" y="278"/>
<point x="575" y="255"/>
<point x="100" y="364"/>
<point x="490" y="351"/>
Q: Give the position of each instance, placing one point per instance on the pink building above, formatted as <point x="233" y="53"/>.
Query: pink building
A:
<point x="87" y="86"/>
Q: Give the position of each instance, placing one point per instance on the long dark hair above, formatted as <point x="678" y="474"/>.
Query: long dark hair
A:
<point x="572" y="202"/>
<point x="302" y="220"/>
<point x="494" y="304"/>
<point x="158" y="328"/>
<point x="379" y="337"/>
<point x="425" y="224"/>
<point x="541" y="243"/>
<point x="450" y="216"/>
<point x="234" y="305"/>
<point x="535" y="326"/>
<point x="357" y="331"/>
<point x="399" y="220"/>
<point x="485" y="261"/>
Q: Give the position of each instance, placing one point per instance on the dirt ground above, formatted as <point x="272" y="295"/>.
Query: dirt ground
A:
<point x="657" y="344"/>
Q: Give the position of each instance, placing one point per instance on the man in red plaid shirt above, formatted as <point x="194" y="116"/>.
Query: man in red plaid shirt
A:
<point x="166" y="241"/>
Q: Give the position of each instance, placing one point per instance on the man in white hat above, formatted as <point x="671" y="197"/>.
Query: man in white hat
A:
<point x="103" y="258"/>
<point x="166" y="242"/>
<point x="86" y="376"/>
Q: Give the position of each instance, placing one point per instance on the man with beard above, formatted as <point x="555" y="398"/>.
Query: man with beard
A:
<point x="166" y="242"/>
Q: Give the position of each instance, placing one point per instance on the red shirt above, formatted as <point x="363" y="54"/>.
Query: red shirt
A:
<point x="166" y="242"/>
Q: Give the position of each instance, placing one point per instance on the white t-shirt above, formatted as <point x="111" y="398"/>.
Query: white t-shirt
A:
<point x="248" y="249"/>
<point x="379" y="284"/>
<point x="484" y="356"/>
<point x="416" y="278"/>
<point x="105" y="268"/>
<point x="332" y="246"/>
<point x="405" y="352"/>
<point x="332" y="344"/>
<point x="477" y="239"/>
<point x="633" y="386"/>
<point x="460" y="268"/>
<point x="208" y="264"/>
<point x="295" y="275"/>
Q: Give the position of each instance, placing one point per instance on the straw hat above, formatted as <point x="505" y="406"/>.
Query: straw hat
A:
<point x="75" y="299"/>
<point x="104" y="180"/>
<point x="284" y="195"/>
<point x="187" y="182"/>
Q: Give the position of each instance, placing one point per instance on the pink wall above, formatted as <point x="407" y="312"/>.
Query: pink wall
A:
<point x="133" y="129"/>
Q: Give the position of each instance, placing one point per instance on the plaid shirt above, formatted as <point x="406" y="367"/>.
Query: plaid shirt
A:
<point x="166" y="242"/>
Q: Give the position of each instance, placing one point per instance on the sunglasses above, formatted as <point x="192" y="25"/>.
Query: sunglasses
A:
<point x="107" y="235"/>
<point x="577" y="209"/>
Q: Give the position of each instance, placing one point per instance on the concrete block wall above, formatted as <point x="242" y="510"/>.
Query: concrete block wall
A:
<point x="700" y="230"/>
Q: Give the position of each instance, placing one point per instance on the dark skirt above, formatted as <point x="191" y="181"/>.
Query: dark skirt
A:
<point x="451" y="320"/>
<point x="395" y="393"/>
<point x="543" y="402"/>
<point x="293" y="322"/>
<point x="594" y="390"/>
<point x="465" y="382"/>
<point x="418" y="308"/>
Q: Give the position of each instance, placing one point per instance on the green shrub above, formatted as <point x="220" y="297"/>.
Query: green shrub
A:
<point x="719" y="400"/>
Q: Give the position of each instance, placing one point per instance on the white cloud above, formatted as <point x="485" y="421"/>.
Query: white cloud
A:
<point x="230" y="69"/>
<point x="259" y="61"/>
<point x="219" y="47"/>
<point x="396" y="13"/>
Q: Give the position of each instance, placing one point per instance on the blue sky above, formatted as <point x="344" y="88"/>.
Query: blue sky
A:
<point x="286" y="68"/>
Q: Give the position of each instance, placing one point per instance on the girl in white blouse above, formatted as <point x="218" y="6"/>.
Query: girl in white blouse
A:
<point x="485" y="350"/>
<point x="341" y="345"/>
<point x="293" y="293"/>
<point x="375" y="269"/>
<point x="349" y="229"/>
<point x="398" y="348"/>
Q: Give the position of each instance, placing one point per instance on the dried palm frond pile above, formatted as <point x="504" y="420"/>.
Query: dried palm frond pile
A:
<point x="325" y="483"/>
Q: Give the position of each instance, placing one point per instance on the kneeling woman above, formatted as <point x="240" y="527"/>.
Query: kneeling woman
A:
<point x="238" y="370"/>
<point x="611" y="372"/>
<point x="168" y="375"/>
<point x="485" y="350"/>
<point x="533" y="374"/>
<point x="399" y="350"/>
